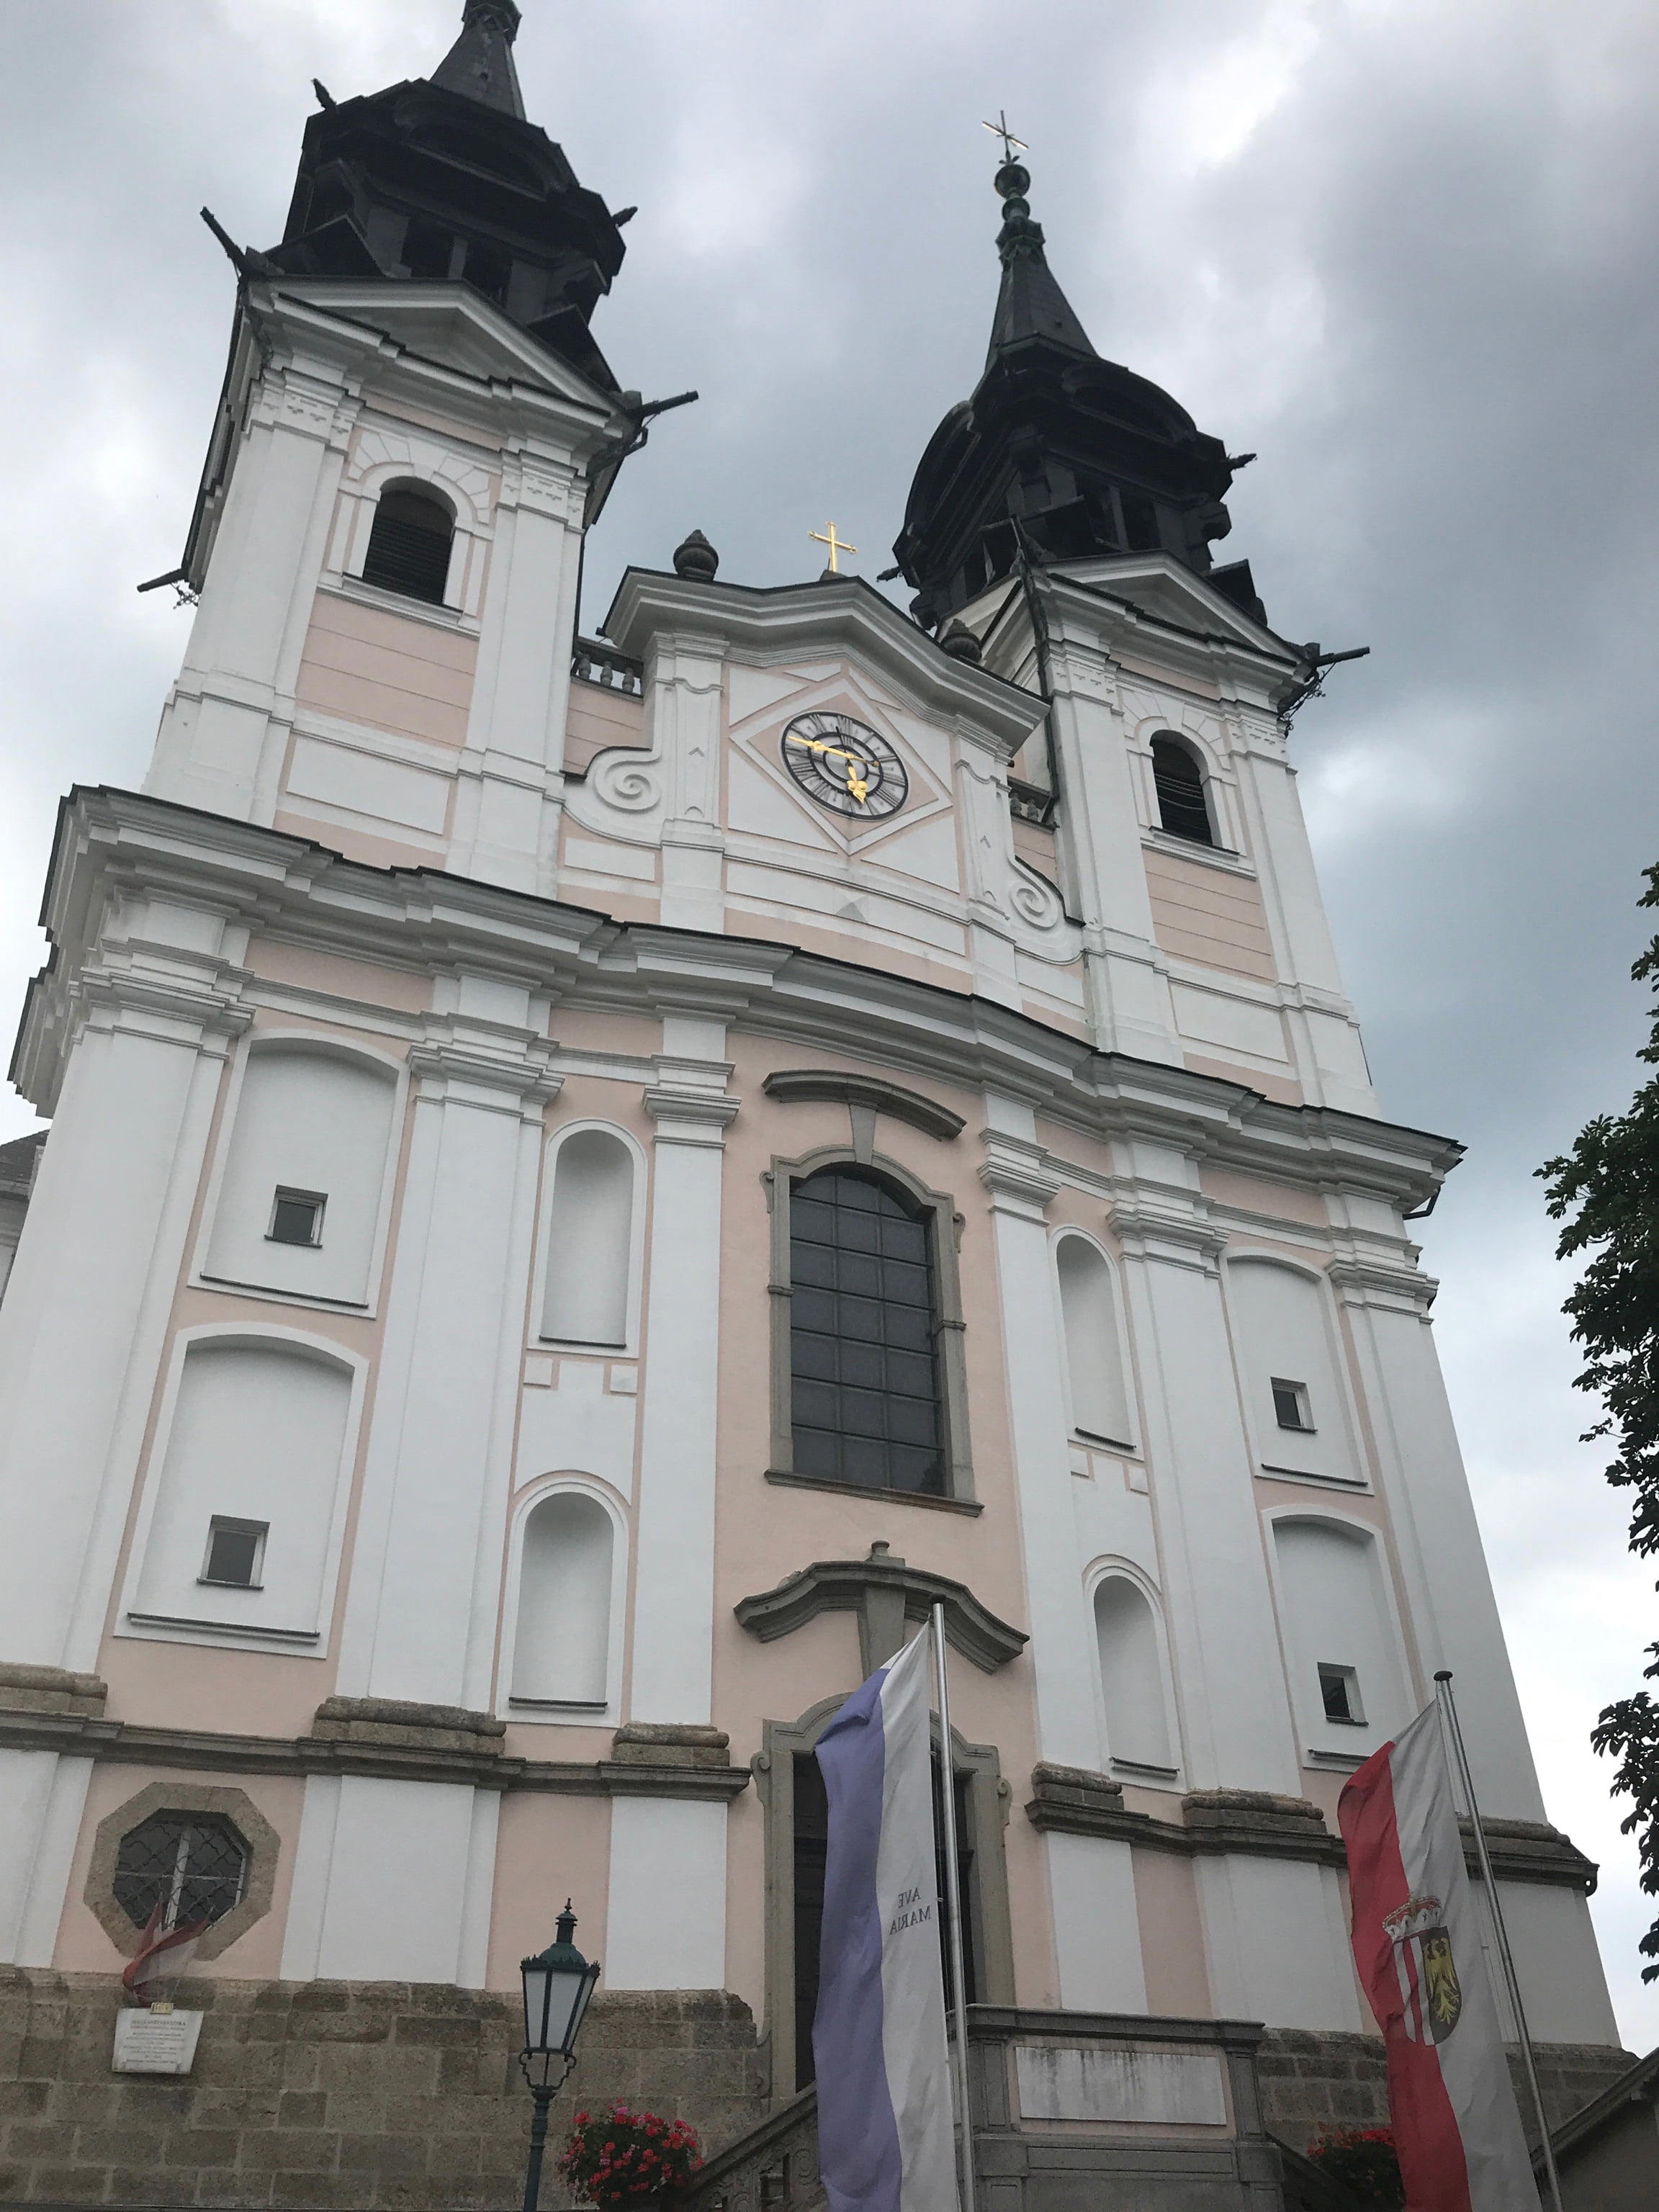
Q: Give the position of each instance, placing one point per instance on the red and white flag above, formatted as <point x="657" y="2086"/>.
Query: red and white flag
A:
<point x="1416" y="1946"/>
<point x="176" y="1946"/>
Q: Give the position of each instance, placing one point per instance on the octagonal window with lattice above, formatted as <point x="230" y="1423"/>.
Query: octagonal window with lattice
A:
<point x="194" y="1865"/>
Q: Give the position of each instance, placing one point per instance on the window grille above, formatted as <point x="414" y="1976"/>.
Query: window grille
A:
<point x="865" y="1388"/>
<point x="1179" y="783"/>
<point x="192" y="1865"/>
<point x="409" y="546"/>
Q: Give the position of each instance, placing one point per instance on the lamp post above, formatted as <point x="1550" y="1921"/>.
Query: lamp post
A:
<point x="557" y="1984"/>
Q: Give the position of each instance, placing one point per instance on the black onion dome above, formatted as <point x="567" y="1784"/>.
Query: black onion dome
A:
<point x="443" y="179"/>
<point x="1075" y="456"/>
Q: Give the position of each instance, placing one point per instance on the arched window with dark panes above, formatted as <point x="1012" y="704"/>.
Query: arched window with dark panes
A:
<point x="409" y="545"/>
<point x="1182" y="807"/>
<point x="864" y="1328"/>
<point x="192" y="1865"/>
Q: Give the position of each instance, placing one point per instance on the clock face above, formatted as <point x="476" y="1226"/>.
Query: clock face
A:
<point x="845" y="766"/>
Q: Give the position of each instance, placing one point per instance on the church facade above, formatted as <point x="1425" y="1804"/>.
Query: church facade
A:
<point x="591" y="1181"/>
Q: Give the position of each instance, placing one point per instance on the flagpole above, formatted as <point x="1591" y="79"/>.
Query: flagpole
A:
<point x="953" y="1886"/>
<point x="1443" y="1685"/>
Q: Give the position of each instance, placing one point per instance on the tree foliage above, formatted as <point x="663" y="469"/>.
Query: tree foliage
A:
<point x="1606" y="1190"/>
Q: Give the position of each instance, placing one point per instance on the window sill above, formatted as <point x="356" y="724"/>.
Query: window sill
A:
<point x="395" y="603"/>
<point x="968" y="1505"/>
<point x="1207" y="856"/>
<point x="1096" y="1442"/>
<point x="1273" y="1473"/>
<point x="218" y="1581"/>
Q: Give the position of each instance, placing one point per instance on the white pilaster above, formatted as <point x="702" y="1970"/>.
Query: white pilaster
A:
<point x="1130" y="1007"/>
<point x="83" y="1326"/>
<point x="665" y="1926"/>
<point x="506" y="827"/>
<point x="226" y="725"/>
<point x="1091" y="1879"/>
<point x="421" y="1608"/>
<point x="674" y="1538"/>
<point x="42" y="1796"/>
<point x="392" y="1882"/>
<point x="1236" y="1724"/>
<point x="1453" y="1611"/>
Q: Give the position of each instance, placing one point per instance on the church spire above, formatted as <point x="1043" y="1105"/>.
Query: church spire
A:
<point x="1031" y="304"/>
<point x="480" y="65"/>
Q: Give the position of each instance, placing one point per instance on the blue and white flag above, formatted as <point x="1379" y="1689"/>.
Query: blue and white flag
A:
<point x="885" y="2140"/>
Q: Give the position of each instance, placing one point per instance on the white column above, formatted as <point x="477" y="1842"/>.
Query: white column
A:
<point x="674" y="1531"/>
<point x="422" y="1606"/>
<point x="507" y="812"/>
<point x="83" y="1326"/>
<point x="1090" y="1878"/>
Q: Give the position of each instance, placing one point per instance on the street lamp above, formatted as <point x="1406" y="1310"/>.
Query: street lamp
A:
<point x="557" y="1984"/>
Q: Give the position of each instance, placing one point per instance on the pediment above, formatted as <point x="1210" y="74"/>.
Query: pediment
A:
<point x="450" y="326"/>
<point x="1170" y="592"/>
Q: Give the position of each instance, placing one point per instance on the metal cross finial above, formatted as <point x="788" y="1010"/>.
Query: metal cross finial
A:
<point x="1010" y="145"/>
<point x="837" y="545"/>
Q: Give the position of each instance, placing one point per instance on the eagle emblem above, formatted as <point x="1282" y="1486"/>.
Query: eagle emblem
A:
<point x="1431" y="1995"/>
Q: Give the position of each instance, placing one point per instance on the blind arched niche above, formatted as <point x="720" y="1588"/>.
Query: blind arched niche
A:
<point x="589" y="1241"/>
<point x="1131" y="1675"/>
<point x="561" y="1648"/>
<point x="1094" y="1358"/>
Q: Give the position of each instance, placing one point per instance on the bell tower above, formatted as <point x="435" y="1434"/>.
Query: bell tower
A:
<point x="413" y="391"/>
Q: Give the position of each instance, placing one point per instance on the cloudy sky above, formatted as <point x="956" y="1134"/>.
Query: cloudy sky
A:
<point x="1401" y="248"/>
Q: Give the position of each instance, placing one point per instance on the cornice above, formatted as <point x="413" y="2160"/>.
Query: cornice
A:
<point x="848" y="616"/>
<point x="298" y="892"/>
<point x="1260" y="1824"/>
<point x="1018" y="1175"/>
<point x="197" y="1751"/>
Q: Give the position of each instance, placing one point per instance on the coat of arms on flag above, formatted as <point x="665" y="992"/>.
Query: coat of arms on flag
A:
<point x="1430" y="1995"/>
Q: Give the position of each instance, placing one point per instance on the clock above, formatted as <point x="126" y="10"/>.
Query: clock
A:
<point x="845" y="766"/>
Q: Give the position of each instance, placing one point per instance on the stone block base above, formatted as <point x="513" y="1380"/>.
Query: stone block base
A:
<point x="350" y="2094"/>
<point x="1311" y="2081"/>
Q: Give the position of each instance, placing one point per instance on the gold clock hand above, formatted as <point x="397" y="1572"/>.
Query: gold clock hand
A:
<point x="857" y="785"/>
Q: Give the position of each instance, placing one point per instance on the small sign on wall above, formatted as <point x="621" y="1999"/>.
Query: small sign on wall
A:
<point x="156" y="2039"/>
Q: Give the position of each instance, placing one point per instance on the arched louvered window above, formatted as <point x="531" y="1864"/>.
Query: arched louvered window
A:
<point x="863" y="1328"/>
<point x="1182" y="808"/>
<point x="409" y="545"/>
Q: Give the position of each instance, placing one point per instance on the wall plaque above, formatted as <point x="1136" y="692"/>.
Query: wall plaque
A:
<point x="153" y="2040"/>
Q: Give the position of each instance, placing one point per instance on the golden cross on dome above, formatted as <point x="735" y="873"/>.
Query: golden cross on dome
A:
<point x="1010" y="145"/>
<point x="837" y="545"/>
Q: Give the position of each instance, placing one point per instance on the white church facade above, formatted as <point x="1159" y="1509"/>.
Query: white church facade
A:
<point x="590" y="1181"/>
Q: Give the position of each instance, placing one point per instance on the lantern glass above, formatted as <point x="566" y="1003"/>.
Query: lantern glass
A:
<point x="557" y="1985"/>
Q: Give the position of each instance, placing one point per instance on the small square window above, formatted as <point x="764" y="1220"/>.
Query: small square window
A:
<point x="236" y="1553"/>
<point x="1339" y="1689"/>
<point x="296" y="1217"/>
<point x="1291" y="1405"/>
